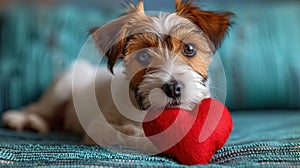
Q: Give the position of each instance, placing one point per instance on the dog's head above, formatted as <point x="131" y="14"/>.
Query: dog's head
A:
<point x="166" y="56"/>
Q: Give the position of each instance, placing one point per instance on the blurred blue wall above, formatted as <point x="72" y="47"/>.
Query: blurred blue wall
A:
<point x="260" y="55"/>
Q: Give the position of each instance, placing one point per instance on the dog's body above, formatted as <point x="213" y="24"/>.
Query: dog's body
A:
<point x="166" y="59"/>
<point x="56" y="109"/>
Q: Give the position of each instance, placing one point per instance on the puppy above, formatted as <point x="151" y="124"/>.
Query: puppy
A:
<point x="166" y="59"/>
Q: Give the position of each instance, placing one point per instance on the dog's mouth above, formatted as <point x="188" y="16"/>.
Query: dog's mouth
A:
<point x="174" y="103"/>
<point x="140" y="101"/>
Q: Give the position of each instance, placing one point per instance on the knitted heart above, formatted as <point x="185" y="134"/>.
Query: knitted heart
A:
<point x="192" y="137"/>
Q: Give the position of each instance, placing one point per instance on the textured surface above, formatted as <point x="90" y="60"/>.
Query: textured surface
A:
<point x="258" y="139"/>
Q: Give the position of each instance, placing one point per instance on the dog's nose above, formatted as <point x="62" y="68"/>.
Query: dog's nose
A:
<point x="172" y="89"/>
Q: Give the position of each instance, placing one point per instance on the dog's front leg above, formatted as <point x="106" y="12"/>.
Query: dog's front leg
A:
<point x="42" y="115"/>
<point x="104" y="134"/>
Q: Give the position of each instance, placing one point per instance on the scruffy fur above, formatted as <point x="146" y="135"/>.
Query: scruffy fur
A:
<point x="163" y="38"/>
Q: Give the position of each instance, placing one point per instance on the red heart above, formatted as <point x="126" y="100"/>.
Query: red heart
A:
<point x="192" y="137"/>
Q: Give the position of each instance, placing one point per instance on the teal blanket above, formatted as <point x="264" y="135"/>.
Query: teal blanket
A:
<point x="258" y="139"/>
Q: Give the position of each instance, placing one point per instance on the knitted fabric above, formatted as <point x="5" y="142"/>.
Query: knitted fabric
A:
<point x="258" y="139"/>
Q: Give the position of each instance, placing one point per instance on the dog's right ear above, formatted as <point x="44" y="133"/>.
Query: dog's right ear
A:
<point x="110" y="39"/>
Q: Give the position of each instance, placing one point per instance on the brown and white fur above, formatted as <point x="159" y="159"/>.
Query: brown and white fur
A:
<point x="166" y="59"/>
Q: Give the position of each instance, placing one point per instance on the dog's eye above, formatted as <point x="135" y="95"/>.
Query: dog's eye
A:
<point x="143" y="58"/>
<point x="189" y="50"/>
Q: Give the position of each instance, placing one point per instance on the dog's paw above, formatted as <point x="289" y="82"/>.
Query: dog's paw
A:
<point x="19" y="121"/>
<point x="129" y="129"/>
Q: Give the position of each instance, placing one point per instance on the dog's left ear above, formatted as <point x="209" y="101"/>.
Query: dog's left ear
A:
<point x="110" y="39"/>
<point x="214" y="25"/>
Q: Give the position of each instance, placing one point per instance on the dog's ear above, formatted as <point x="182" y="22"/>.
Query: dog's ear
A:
<point x="130" y="8"/>
<point x="213" y="24"/>
<point x="110" y="39"/>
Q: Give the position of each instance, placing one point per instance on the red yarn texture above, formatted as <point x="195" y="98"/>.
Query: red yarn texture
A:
<point x="197" y="134"/>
